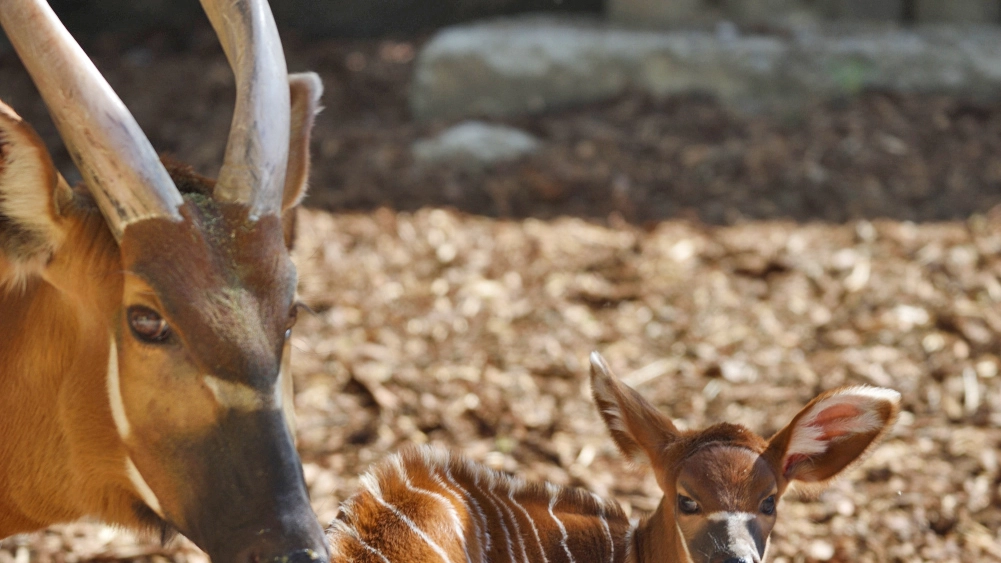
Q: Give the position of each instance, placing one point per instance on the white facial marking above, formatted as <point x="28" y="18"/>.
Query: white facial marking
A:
<point x="115" y="393"/>
<point x="240" y="397"/>
<point x="738" y="536"/>
<point x="683" y="541"/>
<point x="142" y="488"/>
<point x="738" y="516"/>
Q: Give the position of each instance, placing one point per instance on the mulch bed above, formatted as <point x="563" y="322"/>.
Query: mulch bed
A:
<point x="731" y="267"/>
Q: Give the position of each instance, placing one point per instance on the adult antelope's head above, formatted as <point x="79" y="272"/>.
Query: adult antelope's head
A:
<point x="144" y="355"/>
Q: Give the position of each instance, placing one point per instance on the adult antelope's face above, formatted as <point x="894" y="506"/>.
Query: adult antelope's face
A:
<point x="144" y="374"/>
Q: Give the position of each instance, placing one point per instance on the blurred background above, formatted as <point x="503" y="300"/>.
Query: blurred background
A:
<point x="740" y="202"/>
<point x="710" y="109"/>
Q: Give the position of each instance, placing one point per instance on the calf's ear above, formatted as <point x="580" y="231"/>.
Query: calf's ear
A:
<point x="639" y="430"/>
<point x="833" y="432"/>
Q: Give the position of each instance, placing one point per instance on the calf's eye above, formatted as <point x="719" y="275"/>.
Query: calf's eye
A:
<point x="768" y="506"/>
<point x="687" y="505"/>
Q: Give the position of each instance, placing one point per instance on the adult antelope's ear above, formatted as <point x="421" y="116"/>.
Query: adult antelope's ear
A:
<point x="32" y="195"/>
<point x="833" y="432"/>
<point x="636" y="426"/>
<point x="305" y="90"/>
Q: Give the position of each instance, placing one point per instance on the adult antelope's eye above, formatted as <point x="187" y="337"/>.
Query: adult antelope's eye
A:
<point x="687" y="505"/>
<point x="768" y="506"/>
<point x="147" y="325"/>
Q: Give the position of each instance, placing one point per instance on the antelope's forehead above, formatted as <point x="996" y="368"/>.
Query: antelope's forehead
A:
<point x="224" y="280"/>
<point x="727" y="477"/>
<point x="214" y="244"/>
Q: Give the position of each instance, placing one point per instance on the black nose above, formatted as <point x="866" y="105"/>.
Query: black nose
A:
<point x="301" y="556"/>
<point x="737" y="560"/>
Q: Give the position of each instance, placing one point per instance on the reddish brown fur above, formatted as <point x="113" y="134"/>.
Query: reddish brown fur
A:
<point x="203" y="418"/>
<point x="470" y="495"/>
<point x="67" y="464"/>
<point x="726" y="470"/>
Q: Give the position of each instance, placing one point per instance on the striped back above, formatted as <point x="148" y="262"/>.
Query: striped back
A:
<point x="428" y="505"/>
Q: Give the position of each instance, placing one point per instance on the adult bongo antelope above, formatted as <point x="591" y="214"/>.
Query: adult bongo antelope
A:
<point x="145" y="315"/>
<point x="721" y="490"/>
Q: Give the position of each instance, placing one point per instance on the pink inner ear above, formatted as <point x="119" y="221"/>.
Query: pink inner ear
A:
<point x="791" y="461"/>
<point x="836" y="420"/>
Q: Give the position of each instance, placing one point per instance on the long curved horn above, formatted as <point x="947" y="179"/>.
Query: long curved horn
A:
<point x="257" y="152"/>
<point x="117" y="161"/>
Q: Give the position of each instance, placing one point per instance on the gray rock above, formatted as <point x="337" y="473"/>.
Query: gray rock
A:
<point x="528" y="65"/>
<point x="975" y="11"/>
<point x="666" y="14"/>
<point x="476" y="144"/>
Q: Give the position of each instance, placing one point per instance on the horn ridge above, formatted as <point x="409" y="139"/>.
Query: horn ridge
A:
<point x="253" y="171"/>
<point x="117" y="161"/>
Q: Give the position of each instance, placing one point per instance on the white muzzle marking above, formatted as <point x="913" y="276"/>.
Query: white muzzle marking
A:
<point x="240" y="397"/>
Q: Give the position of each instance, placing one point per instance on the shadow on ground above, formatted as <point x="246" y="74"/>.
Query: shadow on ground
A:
<point x="915" y="157"/>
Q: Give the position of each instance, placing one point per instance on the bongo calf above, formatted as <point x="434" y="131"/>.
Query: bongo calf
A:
<point x="721" y="490"/>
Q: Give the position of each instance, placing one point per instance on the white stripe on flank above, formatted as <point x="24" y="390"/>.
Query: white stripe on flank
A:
<point x="604" y="524"/>
<point x="352" y="533"/>
<point x="142" y="488"/>
<point x="500" y="516"/>
<point x="630" y="556"/>
<point x="514" y="521"/>
<point x="115" y="393"/>
<point x="482" y="531"/>
<point x="553" y="494"/>
<point x="377" y="495"/>
<point x="453" y="514"/>
<point x="538" y="540"/>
